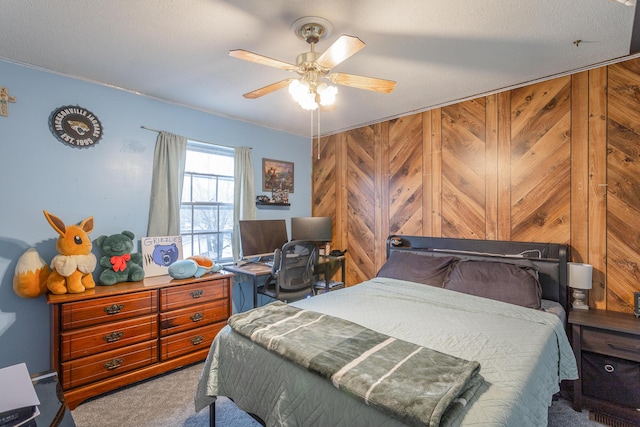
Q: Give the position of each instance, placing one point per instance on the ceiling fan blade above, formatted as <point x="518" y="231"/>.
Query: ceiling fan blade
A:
<point x="340" y="50"/>
<point x="261" y="59"/>
<point x="362" y="82"/>
<point x="267" y="89"/>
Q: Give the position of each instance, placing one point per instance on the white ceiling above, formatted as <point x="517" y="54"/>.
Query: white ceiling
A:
<point x="437" y="51"/>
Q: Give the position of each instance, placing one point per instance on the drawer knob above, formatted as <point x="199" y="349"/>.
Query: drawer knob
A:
<point x="115" y="363"/>
<point x="114" y="308"/>
<point x="197" y="340"/>
<point x="197" y="317"/>
<point x="197" y="294"/>
<point x="113" y="336"/>
<point x="609" y="368"/>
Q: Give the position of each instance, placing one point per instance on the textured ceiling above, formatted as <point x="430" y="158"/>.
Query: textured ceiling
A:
<point x="437" y="51"/>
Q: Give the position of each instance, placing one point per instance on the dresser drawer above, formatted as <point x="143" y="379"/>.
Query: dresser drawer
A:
<point x="193" y="317"/>
<point x="97" y="339"/>
<point x="98" y="367"/>
<point x="101" y="310"/>
<point x="196" y="293"/>
<point x="188" y="342"/>
<point x="612" y="343"/>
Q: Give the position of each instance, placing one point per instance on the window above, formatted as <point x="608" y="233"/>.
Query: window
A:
<point x="206" y="211"/>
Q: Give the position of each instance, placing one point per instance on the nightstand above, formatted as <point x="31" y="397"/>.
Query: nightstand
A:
<point x="607" y="349"/>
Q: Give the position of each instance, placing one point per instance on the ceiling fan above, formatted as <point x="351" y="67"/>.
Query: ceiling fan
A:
<point x="314" y="88"/>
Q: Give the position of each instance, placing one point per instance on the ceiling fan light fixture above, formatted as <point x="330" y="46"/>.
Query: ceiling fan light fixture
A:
<point x="299" y="90"/>
<point x="327" y="94"/>
<point x="309" y="96"/>
<point x="310" y="91"/>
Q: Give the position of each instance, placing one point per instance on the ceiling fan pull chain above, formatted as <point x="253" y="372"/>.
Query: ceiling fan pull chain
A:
<point x="318" y="134"/>
<point x="311" y="129"/>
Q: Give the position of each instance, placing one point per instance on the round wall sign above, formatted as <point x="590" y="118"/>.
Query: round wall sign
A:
<point x="75" y="126"/>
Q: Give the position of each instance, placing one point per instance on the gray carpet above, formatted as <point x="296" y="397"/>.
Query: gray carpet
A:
<point x="168" y="401"/>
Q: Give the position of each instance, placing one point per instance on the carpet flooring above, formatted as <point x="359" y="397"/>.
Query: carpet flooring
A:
<point x="167" y="401"/>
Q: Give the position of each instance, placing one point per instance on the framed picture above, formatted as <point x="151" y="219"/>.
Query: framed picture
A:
<point x="280" y="196"/>
<point x="277" y="174"/>
<point x="158" y="253"/>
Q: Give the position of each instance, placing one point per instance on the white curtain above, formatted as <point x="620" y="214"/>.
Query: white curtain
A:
<point x="244" y="198"/>
<point x="166" y="188"/>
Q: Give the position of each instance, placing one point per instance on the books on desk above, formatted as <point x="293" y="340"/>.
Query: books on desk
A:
<point x="321" y="286"/>
<point x="18" y="399"/>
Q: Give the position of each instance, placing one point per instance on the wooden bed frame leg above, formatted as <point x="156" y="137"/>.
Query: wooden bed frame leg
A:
<point x="212" y="414"/>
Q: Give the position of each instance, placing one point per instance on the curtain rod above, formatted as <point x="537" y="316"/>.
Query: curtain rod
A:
<point x="191" y="139"/>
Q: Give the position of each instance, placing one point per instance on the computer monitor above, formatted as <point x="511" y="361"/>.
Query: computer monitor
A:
<point x="313" y="228"/>
<point x="261" y="237"/>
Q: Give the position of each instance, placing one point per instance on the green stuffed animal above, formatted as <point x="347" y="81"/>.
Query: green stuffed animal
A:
<point x="120" y="264"/>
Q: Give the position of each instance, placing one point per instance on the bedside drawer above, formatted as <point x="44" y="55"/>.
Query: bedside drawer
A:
<point x="87" y="341"/>
<point x="101" y="310"/>
<point x="189" y="342"/>
<point x="196" y="293"/>
<point x="611" y="378"/>
<point x="193" y="317"/>
<point x="617" y="344"/>
<point x="110" y="364"/>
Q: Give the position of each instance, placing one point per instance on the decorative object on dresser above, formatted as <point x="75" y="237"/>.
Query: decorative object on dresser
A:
<point x="117" y="335"/>
<point x="159" y="252"/>
<point x="579" y="277"/>
<point x="607" y="349"/>
<point x="119" y="263"/>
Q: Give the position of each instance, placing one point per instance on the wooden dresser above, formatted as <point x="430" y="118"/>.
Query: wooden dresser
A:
<point x="112" y="336"/>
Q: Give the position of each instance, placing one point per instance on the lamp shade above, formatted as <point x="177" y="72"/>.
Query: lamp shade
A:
<point x="579" y="275"/>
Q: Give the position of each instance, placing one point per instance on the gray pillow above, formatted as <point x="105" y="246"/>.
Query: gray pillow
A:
<point x="498" y="281"/>
<point x="417" y="268"/>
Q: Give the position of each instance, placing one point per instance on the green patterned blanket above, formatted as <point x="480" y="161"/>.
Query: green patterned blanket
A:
<point x="417" y="385"/>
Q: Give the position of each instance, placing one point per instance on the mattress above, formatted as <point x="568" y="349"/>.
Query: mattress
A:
<point x="523" y="354"/>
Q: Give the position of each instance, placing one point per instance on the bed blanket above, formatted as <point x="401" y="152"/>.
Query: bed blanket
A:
<point x="382" y="371"/>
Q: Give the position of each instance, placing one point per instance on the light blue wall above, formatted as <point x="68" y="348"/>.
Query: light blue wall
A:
<point x="110" y="181"/>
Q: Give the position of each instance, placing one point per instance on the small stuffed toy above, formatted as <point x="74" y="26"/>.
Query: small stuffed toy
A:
<point x="72" y="268"/>
<point x="120" y="265"/>
<point x="194" y="266"/>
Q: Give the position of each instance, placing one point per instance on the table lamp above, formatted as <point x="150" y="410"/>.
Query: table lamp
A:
<point x="579" y="276"/>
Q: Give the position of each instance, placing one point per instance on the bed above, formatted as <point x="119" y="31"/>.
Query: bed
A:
<point x="495" y="308"/>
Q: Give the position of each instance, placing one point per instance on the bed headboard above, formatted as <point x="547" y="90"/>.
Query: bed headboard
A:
<point x="549" y="259"/>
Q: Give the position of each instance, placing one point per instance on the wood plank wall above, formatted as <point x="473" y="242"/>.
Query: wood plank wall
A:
<point x="556" y="161"/>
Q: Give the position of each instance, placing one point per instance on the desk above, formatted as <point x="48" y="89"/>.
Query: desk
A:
<point x="255" y="270"/>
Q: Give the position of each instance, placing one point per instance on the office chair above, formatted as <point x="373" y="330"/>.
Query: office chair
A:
<point x="292" y="274"/>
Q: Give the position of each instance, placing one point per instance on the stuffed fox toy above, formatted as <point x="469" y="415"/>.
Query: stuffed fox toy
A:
<point x="71" y="270"/>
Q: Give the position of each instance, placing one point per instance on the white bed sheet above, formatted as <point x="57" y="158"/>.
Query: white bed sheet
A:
<point x="524" y="354"/>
